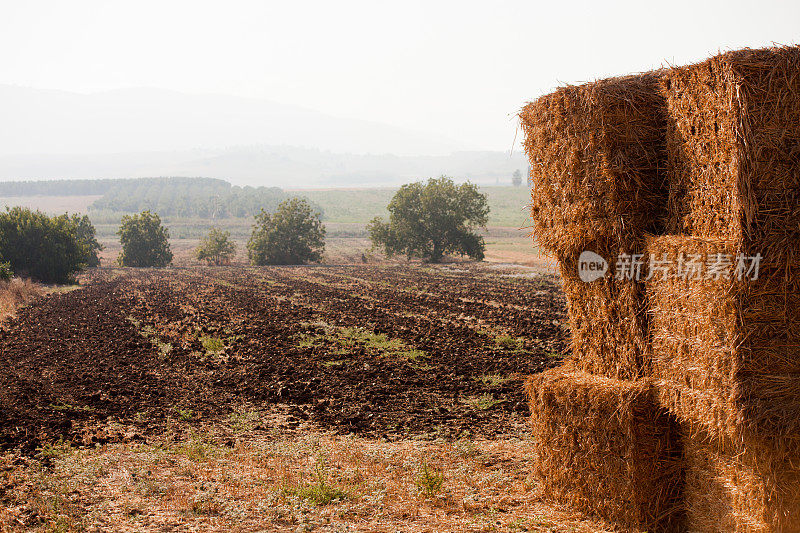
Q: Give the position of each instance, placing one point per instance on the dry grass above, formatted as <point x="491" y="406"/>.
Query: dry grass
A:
<point x="306" y="482"/>
<point x="502" y="246"/>
<point x="54" y="205"/>
<point x="15" y="293"/>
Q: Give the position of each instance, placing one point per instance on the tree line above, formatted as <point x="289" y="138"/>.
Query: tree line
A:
<point x="93" y="187"/>
<point x="169" y="197"/>
<point x="427" y="220"/>
<point x="189" y="197"/>
<point x="53" y="249"/>
<point x="56" y="187"/>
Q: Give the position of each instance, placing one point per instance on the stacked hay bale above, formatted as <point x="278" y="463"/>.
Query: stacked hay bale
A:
<point x="723" y="366"/>
<point x="597" y="169"/>
<point x="748" y="486"/>
<point x="597" y="156"/>
<point x="727" y="360"/>
<point x="605" y="448"/>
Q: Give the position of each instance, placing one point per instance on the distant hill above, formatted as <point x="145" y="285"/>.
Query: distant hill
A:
<point x="37" y="121"/>
<point x="134" y="133"/>
<point x="275" y="166"/>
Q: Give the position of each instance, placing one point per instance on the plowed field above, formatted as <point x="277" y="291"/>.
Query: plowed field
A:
<point x="377" y="351"/>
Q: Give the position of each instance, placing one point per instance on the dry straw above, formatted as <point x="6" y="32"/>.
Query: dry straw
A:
<point x="708" y="153"/>
<point x="752" y="485"/>
<point x="728" y="356"/>
<point x="608" y="319"/>
<point x="733" y="140"/>
<point x="15" y="293"/>
<point x="605" y="448"/>
<point x="597" y="154"/>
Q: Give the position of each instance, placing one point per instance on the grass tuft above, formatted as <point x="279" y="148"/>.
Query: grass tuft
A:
<point x="493" y="380"/>
<point x="350" y="339"/>
<point x="429" y="481"/>
<point x="243" y="421"/>
<point x="483" y="402"/>
<point x="58" y="449"/>
<point x="320" y="492"/>
<point x="212" y="345"/>
<point x="510" y="343"/>
<point x="186" y="415"/>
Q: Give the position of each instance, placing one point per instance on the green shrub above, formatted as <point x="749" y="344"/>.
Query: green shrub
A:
<point x="431" y="220"/>
<point x="292" y="235"/>
<point x="216" y="248"/>
<point x="87" y="238"/>
<point x="45" y="248"/>
<point x="145" y="242"/>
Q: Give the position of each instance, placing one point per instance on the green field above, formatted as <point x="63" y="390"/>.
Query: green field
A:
<point x="507" y="204"/>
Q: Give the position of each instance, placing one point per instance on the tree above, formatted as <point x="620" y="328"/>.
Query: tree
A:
<point x="145" y="242"/>
<point x="86" y="235"/>
<point x="432" y="219"/>
<point x="517" y="178"/>
<point x="42" y="247"/>
<point x="216" y="248"/>
<point x="293" y="235"/>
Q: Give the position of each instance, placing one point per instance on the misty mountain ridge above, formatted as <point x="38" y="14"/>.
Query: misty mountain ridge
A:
<point x="129" y="133"/>
<point x="43" y="121"/>
<point x="272" y="166"/>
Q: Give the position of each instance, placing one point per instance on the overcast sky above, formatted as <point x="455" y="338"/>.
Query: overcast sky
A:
<point x="458" y="69"/>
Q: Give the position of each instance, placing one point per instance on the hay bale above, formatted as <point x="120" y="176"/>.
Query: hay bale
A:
<point x="728" y="356"/>
<point x="597" y="156"/>
<point x="608" y="322"/>
<point x="733" y="140"/>
<point x="605" y="448"/>
<point x="750" y="486"/>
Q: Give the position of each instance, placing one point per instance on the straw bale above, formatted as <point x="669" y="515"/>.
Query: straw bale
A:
<point x="598" y="156"/>
<point x="748" y="486"/>
<point x="733" y="142"/>
<point x="726" y="352"/>
<point x="605" y="448"/>
<point x="608" y="321"/>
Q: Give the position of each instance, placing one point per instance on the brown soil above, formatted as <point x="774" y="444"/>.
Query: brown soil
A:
<point x="340" y="347"/>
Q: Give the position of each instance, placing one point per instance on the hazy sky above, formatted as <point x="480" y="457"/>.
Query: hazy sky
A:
<point x="459" y="69"/>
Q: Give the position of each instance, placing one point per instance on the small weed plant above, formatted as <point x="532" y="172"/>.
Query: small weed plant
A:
<point x="429" y="481"/>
